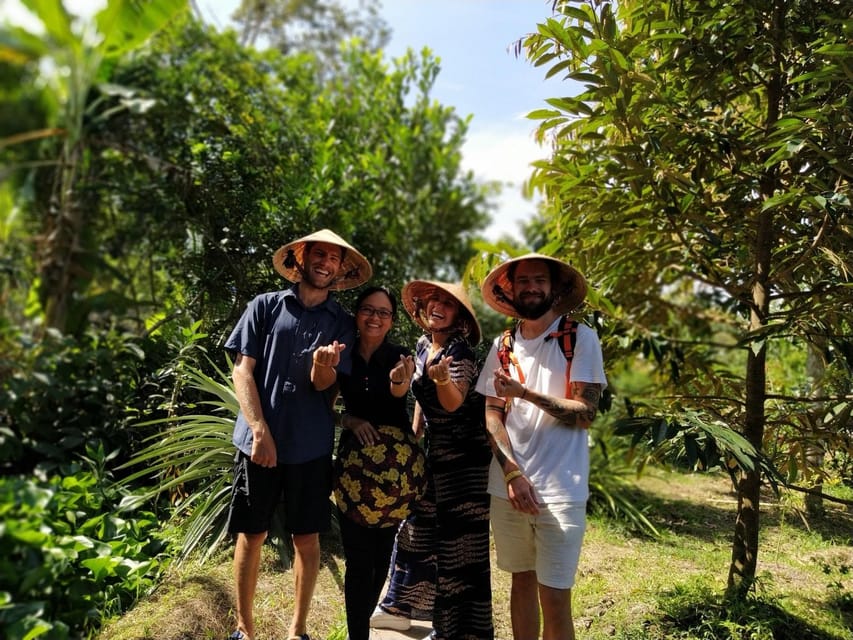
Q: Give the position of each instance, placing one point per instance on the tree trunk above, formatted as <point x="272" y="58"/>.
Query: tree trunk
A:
<point x="59" y="262"/>
<point x="815" y="372"/>
<point x="745" y="542"/>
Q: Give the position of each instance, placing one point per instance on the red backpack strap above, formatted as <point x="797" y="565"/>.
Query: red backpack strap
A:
<point x="567" y="332"/>
<point x="506" y="356"/>
<point x="505" y="349"/>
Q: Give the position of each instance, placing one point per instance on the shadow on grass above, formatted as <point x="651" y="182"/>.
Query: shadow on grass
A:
<point x="332" y="555"/>
<point x="843" y="603"/>
<point x="692" y="611"/>
<point x="706" y="521"/>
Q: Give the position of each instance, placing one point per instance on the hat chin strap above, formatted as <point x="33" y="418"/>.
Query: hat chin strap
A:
<point x="351" y="274"/>
<point x="499" y="294"/>
<point x="290" y="262"/>
<point x="421" y="313"/>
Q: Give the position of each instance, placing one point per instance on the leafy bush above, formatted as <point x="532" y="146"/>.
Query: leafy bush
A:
<point x="609" y="483"/>
<point x="64" y="394"/>
<point x="69" y="557"/>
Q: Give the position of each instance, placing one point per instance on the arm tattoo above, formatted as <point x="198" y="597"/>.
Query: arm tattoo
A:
<point x="566" y="415"/>
<point x="591" y="394"/>
<point x="577" y="411"/>
<point x="498" y="437"/>
<point x="500" y="456"/>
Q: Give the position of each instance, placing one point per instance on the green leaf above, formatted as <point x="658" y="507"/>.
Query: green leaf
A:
<point x="542" y="114"/>
<point x="126" y="24"/>
<point x="590" y="78"/>
<point x="56" y="20"/>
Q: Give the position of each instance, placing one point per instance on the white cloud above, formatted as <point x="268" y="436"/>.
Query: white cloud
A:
<point x="503" y="154"/>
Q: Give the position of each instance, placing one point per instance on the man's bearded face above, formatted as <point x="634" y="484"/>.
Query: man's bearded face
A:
<point x="531" y="286"/>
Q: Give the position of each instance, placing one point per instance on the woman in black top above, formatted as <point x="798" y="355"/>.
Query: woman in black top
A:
<point x="380" y="468"/>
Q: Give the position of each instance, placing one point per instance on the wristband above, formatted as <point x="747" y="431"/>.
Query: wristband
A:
<point x="397" y="381"/>
<point x="523" y="393"/>
<point x="512" y="475"/>
<point x="441" y="383"/>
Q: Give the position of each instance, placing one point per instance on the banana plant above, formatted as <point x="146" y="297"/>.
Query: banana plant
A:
<point x="76" y="54"/>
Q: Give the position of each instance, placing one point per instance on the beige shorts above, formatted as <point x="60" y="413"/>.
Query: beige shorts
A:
<point x="548" y="543"/>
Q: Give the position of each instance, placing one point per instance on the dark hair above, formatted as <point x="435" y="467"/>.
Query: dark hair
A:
<point x="553" y="270"/>
<point x="377" y="289"/>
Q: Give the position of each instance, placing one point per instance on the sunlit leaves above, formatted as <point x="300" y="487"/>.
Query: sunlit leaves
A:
<point x="126" y="24"/>
<point x="68" y="559"/>
<point x="691" y="180"/>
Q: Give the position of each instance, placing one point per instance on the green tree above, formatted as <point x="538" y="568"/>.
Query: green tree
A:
<point x="319" y="26"/>
<point x="81" y="58"/>
<point x="701" y="179"/>
<point x="244" y="149"/>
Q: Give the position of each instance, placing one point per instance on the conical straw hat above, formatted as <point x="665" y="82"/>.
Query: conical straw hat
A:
<point x="355" y="269"/>
<point x="569" y="290"/>
<point x="416" y="293"/>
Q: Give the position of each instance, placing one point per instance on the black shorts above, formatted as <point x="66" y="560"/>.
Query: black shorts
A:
<point x="303" y="490"/>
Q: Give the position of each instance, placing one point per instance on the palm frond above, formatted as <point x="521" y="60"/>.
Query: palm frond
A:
<point x="191" y="457"/>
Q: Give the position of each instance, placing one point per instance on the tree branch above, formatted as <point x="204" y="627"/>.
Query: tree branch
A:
<point x="820" y="494"/>
<point x="784" y="398"/>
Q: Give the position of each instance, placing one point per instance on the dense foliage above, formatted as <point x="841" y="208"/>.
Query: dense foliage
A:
<point x="152" y="165"/>
<point x="70" y="557"/>
<point x="700" y="177"/>
<point x="155" y="167"/>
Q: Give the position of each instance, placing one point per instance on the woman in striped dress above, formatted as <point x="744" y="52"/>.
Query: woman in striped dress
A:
<point x="441" y="569"/>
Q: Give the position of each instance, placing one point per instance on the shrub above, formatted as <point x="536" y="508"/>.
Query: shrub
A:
<point x="69" y="557"/>
<point x="63" y="394"/>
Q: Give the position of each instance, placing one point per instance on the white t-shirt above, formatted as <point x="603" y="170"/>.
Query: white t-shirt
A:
<point x="553" y="456"/>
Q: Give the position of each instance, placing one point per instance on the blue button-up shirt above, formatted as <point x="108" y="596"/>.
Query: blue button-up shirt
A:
<point x="281" y="334"/>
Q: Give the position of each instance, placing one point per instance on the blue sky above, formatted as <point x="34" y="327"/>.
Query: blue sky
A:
<point x="479" y="76"/>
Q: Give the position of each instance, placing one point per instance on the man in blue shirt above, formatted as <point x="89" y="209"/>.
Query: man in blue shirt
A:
<point x="289" y="346"/>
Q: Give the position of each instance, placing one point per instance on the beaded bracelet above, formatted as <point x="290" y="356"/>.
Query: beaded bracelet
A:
<point x="512" y="475"/>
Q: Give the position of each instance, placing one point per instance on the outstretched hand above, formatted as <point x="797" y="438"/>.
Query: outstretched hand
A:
<point x="329" y="355"/>
<point x="506" y="386"/>
<point x="403" y="371"/>
<point x="440" y="371"/>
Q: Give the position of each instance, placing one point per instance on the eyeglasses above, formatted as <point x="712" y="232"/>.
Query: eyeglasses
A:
<point x="384" y="314"/>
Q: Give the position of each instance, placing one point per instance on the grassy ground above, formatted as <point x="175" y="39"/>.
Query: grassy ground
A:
<point x="628" y="587"/>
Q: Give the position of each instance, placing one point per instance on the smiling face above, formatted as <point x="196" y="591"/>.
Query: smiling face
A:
<point x="374" y="316"/>
<point x="531" y="289"/>
<point x="322" y="262"/>
<point x="442" y="311"/>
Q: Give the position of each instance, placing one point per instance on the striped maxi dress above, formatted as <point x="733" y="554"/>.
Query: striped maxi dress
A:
<point x="440" y="569"/>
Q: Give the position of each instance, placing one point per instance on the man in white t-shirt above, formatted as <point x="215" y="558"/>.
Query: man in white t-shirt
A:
<point x="537" y="419"/>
